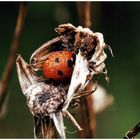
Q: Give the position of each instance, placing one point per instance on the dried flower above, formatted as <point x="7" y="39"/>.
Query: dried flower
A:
<point x="49" y="101"/>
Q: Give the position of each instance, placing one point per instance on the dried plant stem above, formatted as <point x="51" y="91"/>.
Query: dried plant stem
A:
<point x="12" y="56"/>
<point x="91" y="116"/>
<point x="88" y="14"/>
<point x="87" y="118"/>
<point x="84" y="10"/>
<point x="81" y="12"/>
<point x="86" y="108"/>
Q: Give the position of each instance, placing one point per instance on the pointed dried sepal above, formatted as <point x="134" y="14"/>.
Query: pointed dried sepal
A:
<point x="78" y="79"/>
<point x="59" y="123"/>
<point x="44" y="128"/>
<point x="96" y="62"/>
<point x="39" y="56"/>
<point x="26" y="75"/>
<point x="88" y="49"/>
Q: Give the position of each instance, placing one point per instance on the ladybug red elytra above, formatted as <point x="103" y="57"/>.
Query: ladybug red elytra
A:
<point x="58" y="65"/>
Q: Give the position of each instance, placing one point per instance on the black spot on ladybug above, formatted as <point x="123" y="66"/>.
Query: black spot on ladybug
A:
<point x="60" y="72"/>
<point x="70" y="63"/>
<point x="57" y="60"/>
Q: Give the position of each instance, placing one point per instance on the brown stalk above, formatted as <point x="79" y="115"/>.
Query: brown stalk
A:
<point x="88" y="14"/>
<point x="4" y="83"/>
<point x="81" y="12"/>
<point x="86" y="108"/>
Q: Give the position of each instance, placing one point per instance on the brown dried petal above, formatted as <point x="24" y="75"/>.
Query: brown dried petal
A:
<point x="63" y="28"/>
<point x="26" y="75"/>
<point x="39" y="56"/>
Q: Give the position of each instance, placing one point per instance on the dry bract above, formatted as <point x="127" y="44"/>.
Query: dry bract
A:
<point x="51" y="100"/>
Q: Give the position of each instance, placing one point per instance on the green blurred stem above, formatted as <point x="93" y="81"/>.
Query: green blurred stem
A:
<point x="4" y="83"/>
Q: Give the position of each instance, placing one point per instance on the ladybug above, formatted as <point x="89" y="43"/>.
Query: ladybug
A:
<point x="59" y="65"/>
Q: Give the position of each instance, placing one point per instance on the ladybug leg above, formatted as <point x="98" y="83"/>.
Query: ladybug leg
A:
<point x="39" y="56"/>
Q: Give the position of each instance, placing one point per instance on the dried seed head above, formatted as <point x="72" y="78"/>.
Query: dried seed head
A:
<point x="46" y="99"/>
<point x="81" y="41"/>
<point x="73" y="39"/>
<point x="42" y="98"/>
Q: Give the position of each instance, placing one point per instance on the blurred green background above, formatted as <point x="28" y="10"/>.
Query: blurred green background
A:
<point x="120" y="24"/>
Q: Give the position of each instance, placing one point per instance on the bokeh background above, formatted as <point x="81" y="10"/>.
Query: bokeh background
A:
<point x="120" y="24"/>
